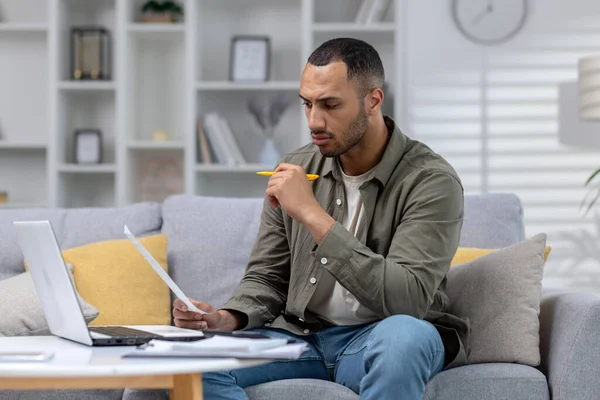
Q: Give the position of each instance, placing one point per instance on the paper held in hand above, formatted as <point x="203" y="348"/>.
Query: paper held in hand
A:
<point x="223" y="346"/>
<point x="161" y="272"/>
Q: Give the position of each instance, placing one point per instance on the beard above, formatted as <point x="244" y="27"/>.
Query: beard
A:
<point x="353" y="135"/>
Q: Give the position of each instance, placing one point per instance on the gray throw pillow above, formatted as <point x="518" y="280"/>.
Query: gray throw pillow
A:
<point x="500" y="294"/>
<point x="21" y="312"/>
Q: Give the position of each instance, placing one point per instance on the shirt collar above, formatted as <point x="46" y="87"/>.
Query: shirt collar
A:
<point x="391" y="156"/>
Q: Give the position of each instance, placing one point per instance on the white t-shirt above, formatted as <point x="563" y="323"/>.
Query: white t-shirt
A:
<point x="331" y="300"/>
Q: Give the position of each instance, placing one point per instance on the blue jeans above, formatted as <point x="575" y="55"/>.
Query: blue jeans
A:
<point x="390" y="359"/>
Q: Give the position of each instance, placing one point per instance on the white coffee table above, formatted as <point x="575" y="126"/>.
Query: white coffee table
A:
<point x="76" y="366"/>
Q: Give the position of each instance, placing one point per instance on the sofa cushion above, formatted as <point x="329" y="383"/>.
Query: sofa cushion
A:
<point x="466" y="254"/>
<point x="75" y="227"/>
<point x="210" y="240"/>
<point x="500" y="294"/>
<point x="21" y="312"/>
<point x="495" y="381"/>
<point x="300" y="389"/>
<point x="492" y="221"/>
<point x="131" y="295"/>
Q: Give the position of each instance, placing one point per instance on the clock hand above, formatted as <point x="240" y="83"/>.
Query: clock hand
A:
<point x="482" y="14"/>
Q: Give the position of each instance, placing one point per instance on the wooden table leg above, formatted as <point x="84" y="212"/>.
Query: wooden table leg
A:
<point x="186" y="387"/>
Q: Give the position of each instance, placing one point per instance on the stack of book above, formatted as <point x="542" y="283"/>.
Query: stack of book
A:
<point x="216" y="142"/>
<point x="372" y="11"/>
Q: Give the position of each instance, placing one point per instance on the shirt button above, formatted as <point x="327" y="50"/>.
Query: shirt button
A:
<point x="338" y="202"/>
<point x="313" y="280"/>
<point x="323" y="260"/>
<point x="306" y="331"/>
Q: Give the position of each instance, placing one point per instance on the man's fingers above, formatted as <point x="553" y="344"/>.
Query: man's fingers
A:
<point x="203" y="306"/>
<point x="190" y="315"/>
<point x="274" y="181"/>
<point x="287" y="167"/>
<point x="182" y="323"/>
<point x="180" y="305"/>
<point x="273" y="202"/>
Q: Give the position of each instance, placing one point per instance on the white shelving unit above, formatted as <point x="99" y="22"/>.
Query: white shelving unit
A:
<point x="164" y="77"/>
<point x="24" y="114"/>
<point x="23" y="27"/>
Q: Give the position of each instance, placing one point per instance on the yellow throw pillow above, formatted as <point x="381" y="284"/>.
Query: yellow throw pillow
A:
<point x="466" y="254"/>
<point x="116" y="279"/>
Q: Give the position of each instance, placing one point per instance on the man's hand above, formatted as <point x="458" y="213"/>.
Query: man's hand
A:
<point x="290" y="188"/>
<point x="215" y="319"/>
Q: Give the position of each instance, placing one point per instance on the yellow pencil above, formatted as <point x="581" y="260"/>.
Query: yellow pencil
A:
<point x="311" y="177"/>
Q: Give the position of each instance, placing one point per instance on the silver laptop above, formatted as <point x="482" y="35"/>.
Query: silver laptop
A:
<point x="59" y="299"/>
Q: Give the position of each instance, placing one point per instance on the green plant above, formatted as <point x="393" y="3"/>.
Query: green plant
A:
<point x="162" y="7"/>
<point x="152" y="6"/>
<point x="594" y="193"/>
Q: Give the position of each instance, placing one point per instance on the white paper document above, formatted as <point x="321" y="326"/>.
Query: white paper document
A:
<point x="161" y="272"/>
<point x="223" y="346"/>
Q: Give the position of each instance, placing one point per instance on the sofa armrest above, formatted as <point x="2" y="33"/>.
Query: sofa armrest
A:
<point x="570" y="344"/>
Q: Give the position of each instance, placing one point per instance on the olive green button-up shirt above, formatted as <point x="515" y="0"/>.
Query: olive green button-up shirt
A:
<point x="397" y="262"/>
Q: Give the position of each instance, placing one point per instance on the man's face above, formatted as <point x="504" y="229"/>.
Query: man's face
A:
<point x="336" y="116"/>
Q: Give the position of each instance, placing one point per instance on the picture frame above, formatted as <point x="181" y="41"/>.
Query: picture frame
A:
<point x="250" y="58"/>
<point x="87" y="146"/>
<point x="90" y="53"/>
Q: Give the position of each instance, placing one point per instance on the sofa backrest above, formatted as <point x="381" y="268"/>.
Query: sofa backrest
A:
<point x="75" y="227"/>
<point x="210" y="238"/>
<point x="492" y="221"/>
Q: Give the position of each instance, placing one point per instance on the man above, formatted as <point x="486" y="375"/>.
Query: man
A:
<point x="355" y="262"/>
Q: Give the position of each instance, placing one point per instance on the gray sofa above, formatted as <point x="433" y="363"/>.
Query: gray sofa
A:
<point x="209" y="241"/>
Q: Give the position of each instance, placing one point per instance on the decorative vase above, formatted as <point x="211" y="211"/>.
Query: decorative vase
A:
<point x="269" y="153"/>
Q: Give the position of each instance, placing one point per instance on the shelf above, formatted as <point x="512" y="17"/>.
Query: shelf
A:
<point x="21" y="205"/>
<point x="17" y="27"/>
<point x="245" y="168"/>
<point x="22" y="145"/>
<point x="353" y="27"/>
<point x="87" y="85"/>
<point x="87" y="169"/>
<point x="226" y="85"/>
<point x="143" y="28"/>
<point x="140" y="145"/>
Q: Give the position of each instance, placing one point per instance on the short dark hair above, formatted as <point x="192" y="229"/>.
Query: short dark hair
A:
<point x="362" y="61"/>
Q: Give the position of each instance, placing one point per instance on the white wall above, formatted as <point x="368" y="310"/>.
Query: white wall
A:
<point x="493" y="112"/>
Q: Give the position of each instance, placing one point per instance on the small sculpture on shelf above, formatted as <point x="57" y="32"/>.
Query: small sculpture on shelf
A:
<point x="3" y="197"/>
<point x="165" y="11"/>
<point x="267" y="117"/>
<point x="160" y="135"/>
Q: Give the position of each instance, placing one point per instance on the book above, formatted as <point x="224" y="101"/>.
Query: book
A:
<point x="232" y="144"/>
<point x="204" y="151"/>
<point x="372" y="11"/>
<point x="363" y="11"/>
<point x="213" y="129"/>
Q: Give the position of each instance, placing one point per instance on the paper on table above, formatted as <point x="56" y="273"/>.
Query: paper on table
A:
<point x="226" y="343"/>
<point x="161" y="272"/>
<point x="223" y="347"/>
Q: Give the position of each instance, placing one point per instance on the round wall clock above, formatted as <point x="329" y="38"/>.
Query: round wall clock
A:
<point x="489" y="22"/>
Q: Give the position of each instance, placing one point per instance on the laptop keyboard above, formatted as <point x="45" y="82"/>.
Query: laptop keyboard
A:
<point x="121" y="331"/>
